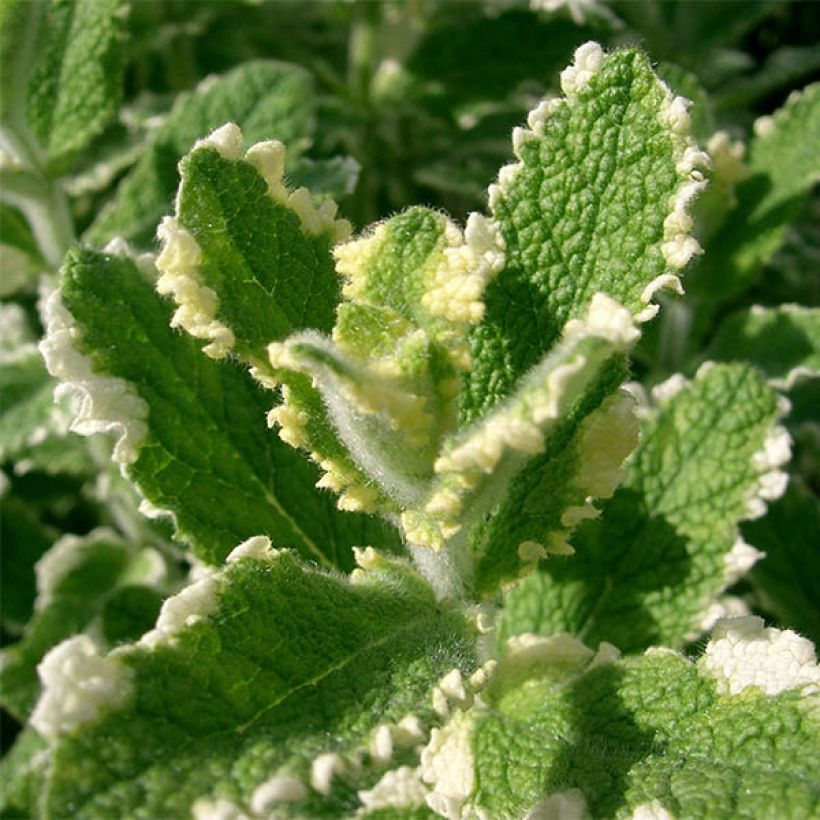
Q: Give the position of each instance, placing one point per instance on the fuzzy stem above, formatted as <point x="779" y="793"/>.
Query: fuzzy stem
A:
<point x="449" y="570"/>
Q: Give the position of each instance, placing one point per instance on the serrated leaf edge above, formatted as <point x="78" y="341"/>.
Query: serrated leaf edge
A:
<point x="679" y="245"/>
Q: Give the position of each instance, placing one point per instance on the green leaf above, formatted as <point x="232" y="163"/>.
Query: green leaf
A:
<point x="476" y="465"/>
<point x="262" y="253"/>
<point x="262" y="683"/>
<point x="785" y="582"/>
<point x="67" y="61"/>
<point x="249" y="263"/>
<point x="22" y="775"/>
<point x="784" y="342"/>
<point x="25" y="538"/>
<point x="22" y="261"/>
<point x="732" y="735"/>
<point x="335" y="178"/>
<point x="783" y="69"/>
<point x="649" y="570"/>
<point x="596" y="203"/>
<point x="26" y="400"/>
<point x="546" y="501"/>
<point x="191" y="431"/>
<point x="452" y="61"/>
<point x="33" y="427"/>
<point x="783" y="166"/>
<point x="267" y="99"/>
<point x="76" y="581"/>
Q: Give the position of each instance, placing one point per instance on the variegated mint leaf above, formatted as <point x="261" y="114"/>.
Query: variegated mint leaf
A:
<point x="561" y="731"/>
<point x="477" y="464"/>
<point x="191" y="431"/>
<point x="597" y="202"/>
<point x="248" y="262"/>
<point x="390" y="376"/>
<point x="582" y="463"/>
<point x="786" y="583"/>
<point x="784" y="342"/>
<point x="82" y="584"/>
<point x="267" y="99"/>
<point x="268" y="684"/>
<point x="650" y="569"/>
<point x="783" y="165"/>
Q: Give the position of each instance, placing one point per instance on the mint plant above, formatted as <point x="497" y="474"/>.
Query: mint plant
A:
<point x="321" y="502"/>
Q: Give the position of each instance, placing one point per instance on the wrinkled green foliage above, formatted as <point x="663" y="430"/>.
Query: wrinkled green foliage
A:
<point x="323" y="490"/>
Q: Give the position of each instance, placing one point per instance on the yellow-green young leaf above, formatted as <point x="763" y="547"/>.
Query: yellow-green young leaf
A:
<point x="82" y="583"/>
<point x="390" y="376"/>
<point x="582" y="462"/>
<point x="562" y="731"/>
<point x="476" y="465"/>
<point x="649" y="571"/>
<point x="267" y="99"/>
<point x="266" y="685"/>
<point x="784" y="342"/>
<point x="597" y="202"/>
<point x="62" y="67"/>
<point x="783" y="165"/>
<point x="191" y="431"/>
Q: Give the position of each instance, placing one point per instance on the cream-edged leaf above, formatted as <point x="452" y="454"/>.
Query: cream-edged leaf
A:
<point x="597" y="201"/>
<point x="190" y="431"/>
<point x="82" y="583"/>
<point x="267" y="684"/>
<point x="650" y="569"/>
<point x="654" y="735"/>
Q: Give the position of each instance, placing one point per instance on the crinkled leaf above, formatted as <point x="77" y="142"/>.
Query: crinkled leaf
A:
<point x="78" y="580"/>
<point x="270" y="274"/>
<point x="268" y="99"/>
<point x="689" y="85"/>
<point x="787" y="581"/>
<point x="649" y="569"/>
<point x="276" y="664"/>
<point x="585" y="210"/>
<point x="784" y="342"/>
<point x="654" y="735"/>
<point x="198" y="445"/>
<point x="784" y="164"/>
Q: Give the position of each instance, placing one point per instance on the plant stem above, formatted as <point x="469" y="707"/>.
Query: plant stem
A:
<point x="44" y="205"/>
<point x="449" y="570"/>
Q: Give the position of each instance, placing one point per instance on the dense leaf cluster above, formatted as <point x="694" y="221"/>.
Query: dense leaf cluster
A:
<point x="360" y="453"/>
